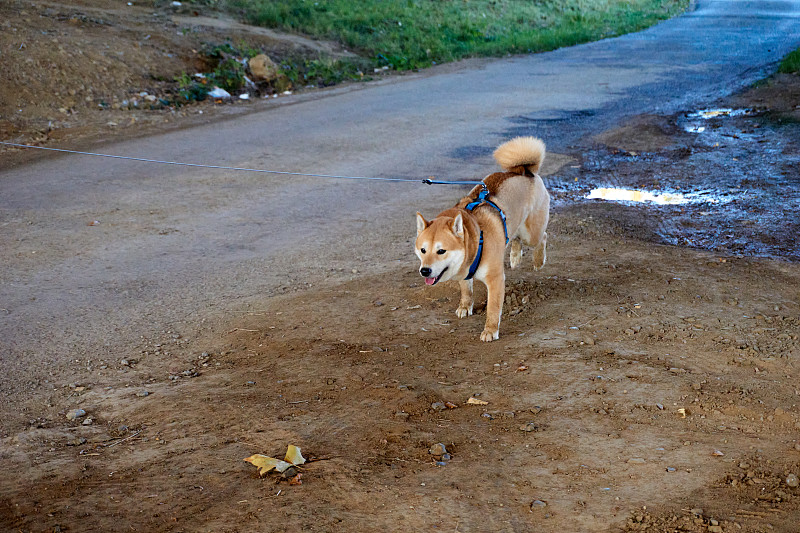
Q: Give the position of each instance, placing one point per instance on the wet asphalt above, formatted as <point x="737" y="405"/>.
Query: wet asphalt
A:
<point x="175" y="246"/>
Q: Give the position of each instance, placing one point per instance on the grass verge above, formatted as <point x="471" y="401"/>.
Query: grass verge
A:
<point x="413" y="34"/>
<point x="791" y="63"/>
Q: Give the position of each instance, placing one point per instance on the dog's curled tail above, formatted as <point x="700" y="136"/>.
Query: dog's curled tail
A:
<point x="522" y="155"/>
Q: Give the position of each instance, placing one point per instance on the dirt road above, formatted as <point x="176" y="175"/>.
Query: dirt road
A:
<point x="198" y="317"/>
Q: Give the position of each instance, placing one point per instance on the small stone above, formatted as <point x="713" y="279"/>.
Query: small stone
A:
<point x="438" y="406"/>
<point x="636" y="461"/>
<point x="530" y="426"/>
<point x="76" y="414"/>
<point x="88" y="422"/>
<point x="744" y="466"/>
<point x="714" y="529"/>
<point x="402" y="415"/>
<point x="660" y="407"/>
<point x="792" y="481"/>
<point x="538" y="504"/>
<point x="142" y="394"/>
<point x="670" y="469"/>
<point x="438" y="450"/>
<point x="441" y="463"/>
<point x="446" y="457"/>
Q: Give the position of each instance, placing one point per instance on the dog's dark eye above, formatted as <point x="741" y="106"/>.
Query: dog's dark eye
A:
<point x="441" y="252"/>
<point x="422" y="250"/>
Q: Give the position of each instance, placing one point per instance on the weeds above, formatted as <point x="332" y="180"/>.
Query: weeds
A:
<point x="790" y="63"/>
<point x="414" y="34"/>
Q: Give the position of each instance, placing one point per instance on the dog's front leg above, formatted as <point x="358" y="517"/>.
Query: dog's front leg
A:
<point x="496" y="291"/>
<point x="465" y="305"/>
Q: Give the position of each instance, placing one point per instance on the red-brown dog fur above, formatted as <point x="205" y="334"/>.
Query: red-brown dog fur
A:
<point x="447" y="245"/>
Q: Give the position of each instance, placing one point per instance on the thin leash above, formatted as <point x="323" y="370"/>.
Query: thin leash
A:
<point x="427" y="181"/>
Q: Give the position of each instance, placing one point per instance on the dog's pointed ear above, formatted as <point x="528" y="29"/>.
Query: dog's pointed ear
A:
<point x="421" y="223"/>
<point x="458" y="225"/>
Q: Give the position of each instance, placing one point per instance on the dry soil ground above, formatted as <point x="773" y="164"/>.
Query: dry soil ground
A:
<point x="636" y="385"/>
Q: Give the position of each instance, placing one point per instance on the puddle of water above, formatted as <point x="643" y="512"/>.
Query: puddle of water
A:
<point x="722" y="112"/>
<point x="630" y="195"/>
<point x="667" y="198"/>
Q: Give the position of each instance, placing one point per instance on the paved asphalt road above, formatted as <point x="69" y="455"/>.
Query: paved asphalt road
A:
<point x="176" y="246"/>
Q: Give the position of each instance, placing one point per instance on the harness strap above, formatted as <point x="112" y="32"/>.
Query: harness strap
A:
<point x="483" y="199"/>
<point x="474" y="266"/>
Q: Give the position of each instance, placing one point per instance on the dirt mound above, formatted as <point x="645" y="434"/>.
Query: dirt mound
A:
<point x="99" y="70"/>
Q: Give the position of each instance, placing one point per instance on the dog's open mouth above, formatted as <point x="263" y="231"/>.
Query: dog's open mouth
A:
<point x="432" y="281"/>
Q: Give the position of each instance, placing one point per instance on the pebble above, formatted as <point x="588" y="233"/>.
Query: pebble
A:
<point x="792" y="481"/>
<point x="142" y="393"/>
<point x="76" y="414"/>
<point x="438" y="406"/>
<point x="88" y="422"/>
<point x="530" y="426"/>
<point x="715" y="529"/>
<point x="538" y="504"/>
<point x="438" y="450"/>
<point x="670" y="469"/>
<point x="636" y="461"/>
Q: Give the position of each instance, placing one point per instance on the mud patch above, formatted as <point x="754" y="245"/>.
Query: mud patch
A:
<point x="742" y="171"/>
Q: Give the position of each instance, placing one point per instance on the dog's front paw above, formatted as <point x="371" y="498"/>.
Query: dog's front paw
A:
<point x="489" y="335"/>
<point x="463" y="312"/>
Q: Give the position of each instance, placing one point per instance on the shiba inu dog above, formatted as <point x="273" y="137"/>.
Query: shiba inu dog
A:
<point x="468" y="241"/>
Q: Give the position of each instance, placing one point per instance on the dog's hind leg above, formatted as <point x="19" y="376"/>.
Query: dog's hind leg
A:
<point x="466" y="302"/>
<point x="540" y="253"/>
<point x="535" y="226"/>
<point x="516" y="253"/>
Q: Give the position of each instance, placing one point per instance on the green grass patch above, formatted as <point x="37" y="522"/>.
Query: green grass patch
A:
<point x="790" y="63"/>
<point x="412" y="34"/>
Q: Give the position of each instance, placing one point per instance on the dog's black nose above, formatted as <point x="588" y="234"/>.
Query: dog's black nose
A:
<point x="425" y="271"/>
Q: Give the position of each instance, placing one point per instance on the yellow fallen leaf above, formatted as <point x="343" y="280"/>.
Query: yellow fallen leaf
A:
<point x="474" y="401"/>
<point x="293" y="456"/>
<point x="265" y="464"/>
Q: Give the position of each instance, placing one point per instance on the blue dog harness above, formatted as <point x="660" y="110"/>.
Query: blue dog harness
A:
<point x="482" y="199"/>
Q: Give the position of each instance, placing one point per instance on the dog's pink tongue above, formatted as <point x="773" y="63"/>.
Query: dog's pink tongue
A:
<point x="430" y="281"/>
